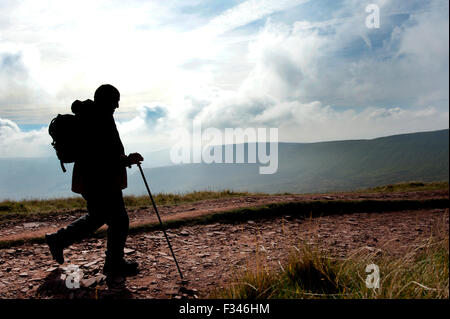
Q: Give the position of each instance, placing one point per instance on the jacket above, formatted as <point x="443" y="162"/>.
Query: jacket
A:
<point x="101" y="166"/>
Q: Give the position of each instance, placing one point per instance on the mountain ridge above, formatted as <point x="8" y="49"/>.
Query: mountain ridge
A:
<point x="302" y="168"/>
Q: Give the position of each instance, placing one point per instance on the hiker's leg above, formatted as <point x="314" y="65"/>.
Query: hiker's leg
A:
<point x="118" y="224"/>
<point x="85" y="225"/>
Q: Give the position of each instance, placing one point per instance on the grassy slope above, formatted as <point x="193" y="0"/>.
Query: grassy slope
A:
<point x="9" y="209"/>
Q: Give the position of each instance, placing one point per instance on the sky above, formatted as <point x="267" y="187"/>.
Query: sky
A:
<point x="312" y="69"/>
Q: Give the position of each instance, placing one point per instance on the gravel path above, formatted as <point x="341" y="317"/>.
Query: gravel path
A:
<point x="211" y="255"/>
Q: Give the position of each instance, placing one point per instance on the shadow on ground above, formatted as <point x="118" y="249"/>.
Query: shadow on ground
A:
<point x="55" y="286"/>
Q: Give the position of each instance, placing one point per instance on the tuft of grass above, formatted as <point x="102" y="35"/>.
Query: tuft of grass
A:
<point x="422" y="272"/>
<point x="175" y="199"/>
<point x="408" y="187"/>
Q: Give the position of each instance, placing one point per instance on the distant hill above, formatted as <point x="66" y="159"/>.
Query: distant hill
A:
<point x="316" y="167"/>
<point x="302" y="168"/>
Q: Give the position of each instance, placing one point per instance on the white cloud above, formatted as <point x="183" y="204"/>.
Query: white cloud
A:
<point x="17" y="143"/>
<point x="315" y="80"/>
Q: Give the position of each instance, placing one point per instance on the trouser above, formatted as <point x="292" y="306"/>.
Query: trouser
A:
<point x="103" y="208"/>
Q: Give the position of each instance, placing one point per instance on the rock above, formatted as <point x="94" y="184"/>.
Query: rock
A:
<point x="31" y="225"/>
<point x="24" y="274"/>
<point x="90" y="264"/>
<point x="89" y="282"/>
<point x="184" y="233"/>
<point x="100" y="278"/>
<point x="128" y="251"/>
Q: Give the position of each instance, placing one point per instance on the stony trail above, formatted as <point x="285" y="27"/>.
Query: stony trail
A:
<point x="211" y="255"/>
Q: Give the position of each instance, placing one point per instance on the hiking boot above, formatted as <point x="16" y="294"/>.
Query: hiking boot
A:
<point x="121" y="267"/>
<point x="55" y="248"/>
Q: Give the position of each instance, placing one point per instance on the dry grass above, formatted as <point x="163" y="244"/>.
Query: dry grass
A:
<point x="422" y="272"/>
<point x="51" y="206"/>
<point x="408" y="186"/>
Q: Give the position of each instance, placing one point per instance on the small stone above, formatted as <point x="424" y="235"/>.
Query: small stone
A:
<point x="90" y="264"/>
<point x="31" y="225"/>
<point x="100" y="278"/>
<point x="184" y="233"/>
<point x="24" y="274"/>
<point x="89" y="282"/>
<point x="128" y="251"/>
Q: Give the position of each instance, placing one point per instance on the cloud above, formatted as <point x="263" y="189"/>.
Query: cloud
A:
<point x="16" y="143"/>
<point x="14" y="80"/>
<point x="256" y="64"/>
<point x="8" y="127"/>
<point x="244" y="13"/>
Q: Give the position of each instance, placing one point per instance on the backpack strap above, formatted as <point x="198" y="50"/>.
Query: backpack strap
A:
<point x="62" y="166"/>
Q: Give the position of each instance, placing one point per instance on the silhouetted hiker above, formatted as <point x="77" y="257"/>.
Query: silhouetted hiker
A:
<point x="99" y="176"/>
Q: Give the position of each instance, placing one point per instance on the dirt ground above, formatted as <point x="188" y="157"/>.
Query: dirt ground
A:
<point x="38" y="226"/>
<point x="210" y="256"/>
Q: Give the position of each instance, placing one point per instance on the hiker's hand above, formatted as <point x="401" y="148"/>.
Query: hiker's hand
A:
<point x="135" y="158"/>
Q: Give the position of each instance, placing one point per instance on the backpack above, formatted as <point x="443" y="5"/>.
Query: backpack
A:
<point x="64" y="130"/>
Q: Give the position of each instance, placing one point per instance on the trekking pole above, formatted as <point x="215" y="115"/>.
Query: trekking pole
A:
<point x="159" y="218"/>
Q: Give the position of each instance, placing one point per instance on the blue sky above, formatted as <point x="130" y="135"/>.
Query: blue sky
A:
<point x="310" y="68"/>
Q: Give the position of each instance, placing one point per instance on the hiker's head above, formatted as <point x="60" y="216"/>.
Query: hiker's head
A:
<point x="107" y="97"/>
